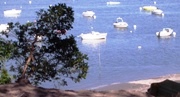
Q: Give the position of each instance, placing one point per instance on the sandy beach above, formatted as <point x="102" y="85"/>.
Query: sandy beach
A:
<point x="17" y="90"/>
<point x="131" y="89"/>
<point x="139" y="85"/>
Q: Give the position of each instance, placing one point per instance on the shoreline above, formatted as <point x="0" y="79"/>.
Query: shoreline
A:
<point x="138" y="85"/>
<point x="130" y="89"/>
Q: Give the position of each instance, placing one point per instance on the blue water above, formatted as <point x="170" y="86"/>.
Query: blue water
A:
<point x="117" y="59"/>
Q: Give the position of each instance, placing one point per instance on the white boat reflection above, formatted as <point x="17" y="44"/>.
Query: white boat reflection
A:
<point x="95" y="46"/>
<point x="93" y="43"/>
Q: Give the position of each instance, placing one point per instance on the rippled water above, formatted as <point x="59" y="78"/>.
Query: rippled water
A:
<point x="117" y="59"/>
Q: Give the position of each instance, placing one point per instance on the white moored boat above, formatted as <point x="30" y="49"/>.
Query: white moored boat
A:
<point x="158" y="12"/>
<point x="12" y="13"/>
<point x="113" y="3"/>
<point x="120" y="23"/>
<point x="93" y="35"/>
<point x="88" y="14"/>
<point x="166" y="32"/>
<point x="148" y="8"/>
<point x="4" y="27"/>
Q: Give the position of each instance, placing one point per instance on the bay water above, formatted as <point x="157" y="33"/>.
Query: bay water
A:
<point x="126" y="55"/>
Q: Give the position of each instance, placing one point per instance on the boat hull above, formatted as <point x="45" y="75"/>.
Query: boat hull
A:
<point x="88" y="14"/>
<point x="165" y="32"/>
<point x="149" y="8"/>
<point x="112" y="3"/>
<point x="120" y="25"/>
<point x="158" y="12"/>
<point x="12" y="13"/>
<point x="93" y="36"/>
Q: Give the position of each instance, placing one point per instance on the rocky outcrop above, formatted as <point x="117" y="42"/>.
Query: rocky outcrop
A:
<point x="166" y="88"/>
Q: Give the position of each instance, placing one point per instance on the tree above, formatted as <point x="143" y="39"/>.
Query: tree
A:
<point x="6" y="49"/>
<point x="57" y="57"/>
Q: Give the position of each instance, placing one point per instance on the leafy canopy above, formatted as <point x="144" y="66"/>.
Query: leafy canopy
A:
<point x="6" y="49"/>
<point x="43" y="50"/>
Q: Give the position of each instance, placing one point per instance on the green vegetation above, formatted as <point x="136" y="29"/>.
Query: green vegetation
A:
<point x="6" y="49"/>
<point x="4" y="77"/>
<point x="56" y="57"/>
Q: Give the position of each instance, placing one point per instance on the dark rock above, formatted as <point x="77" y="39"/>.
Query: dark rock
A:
<point x="165" y="88"/>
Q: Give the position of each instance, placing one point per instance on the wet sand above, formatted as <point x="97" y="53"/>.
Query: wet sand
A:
<point x="139" y="85"/>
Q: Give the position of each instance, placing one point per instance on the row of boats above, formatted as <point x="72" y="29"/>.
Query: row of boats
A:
<point x="165" y="32"/>
<point x="152" y="9"/>
<point x="94" y="35"/>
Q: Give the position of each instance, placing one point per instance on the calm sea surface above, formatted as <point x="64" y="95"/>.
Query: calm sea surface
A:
<point x="118" y="58"/>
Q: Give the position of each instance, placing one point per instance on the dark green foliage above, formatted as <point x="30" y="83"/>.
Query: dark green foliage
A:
<point x="6" y="49"/>
<point x="4" y="77"/>
<point x="57" y="57"/>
